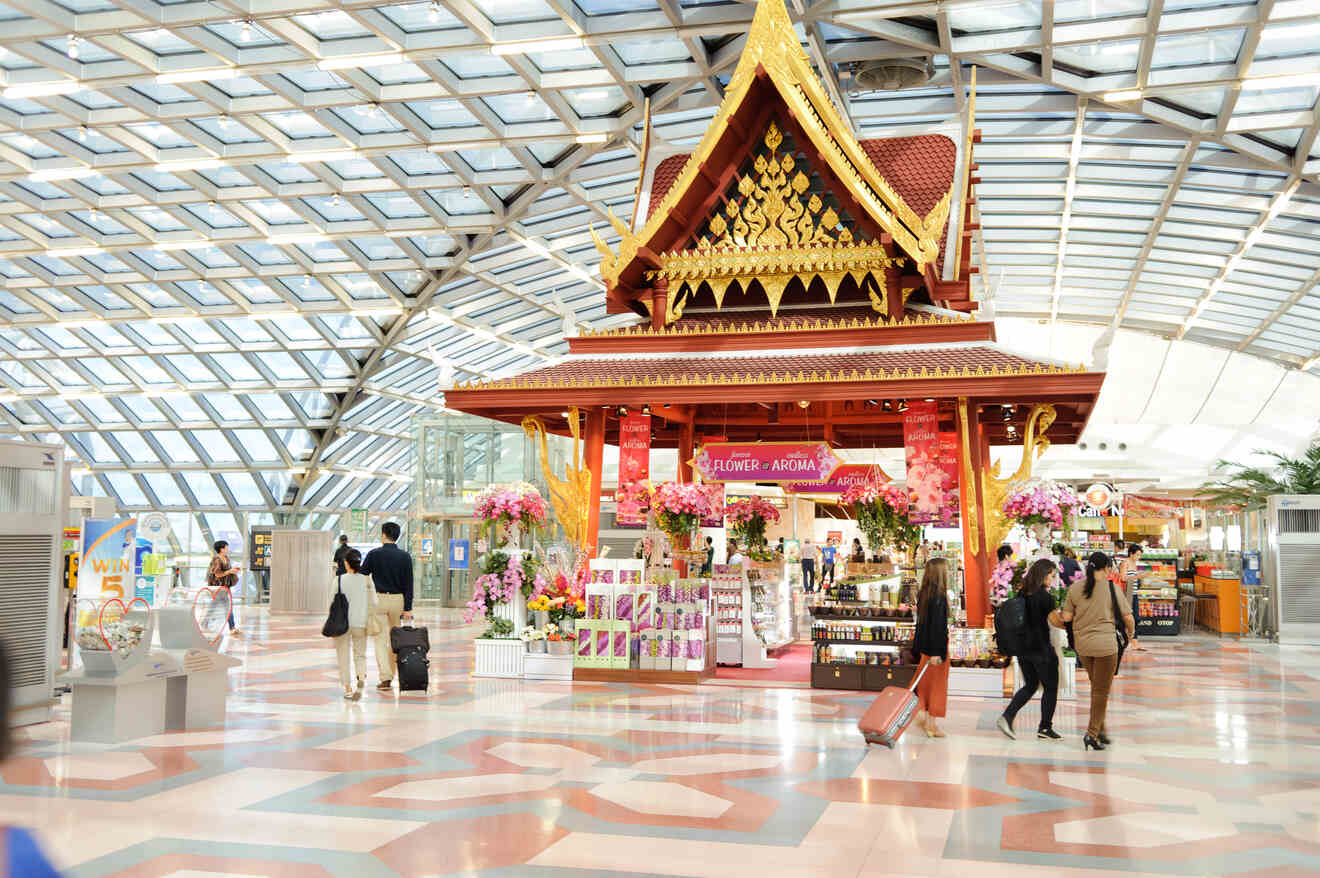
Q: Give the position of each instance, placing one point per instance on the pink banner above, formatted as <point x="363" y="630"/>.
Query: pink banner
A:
<point x="634" y="469"/>
<point x="949" y="463"/>
<point x="843" y="478"/>
<point x="766" y="462"/>
<point x="925" y="476"/>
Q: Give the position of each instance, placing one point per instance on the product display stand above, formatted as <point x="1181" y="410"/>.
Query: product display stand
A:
<point x="543" y="666"/>
<point x="772" y="604"/>
<point x="1155" y="608"/>
<point x="114" y="708"/>
<point x="197" y="698"/>
<point x="748" y="642"/>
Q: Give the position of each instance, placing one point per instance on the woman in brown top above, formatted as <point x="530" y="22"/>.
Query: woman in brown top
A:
<point x="1090" y="607"/>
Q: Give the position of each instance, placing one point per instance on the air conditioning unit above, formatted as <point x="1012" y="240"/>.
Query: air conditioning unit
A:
<point x="34" y="494"/>
<point x="1292" y="566"/>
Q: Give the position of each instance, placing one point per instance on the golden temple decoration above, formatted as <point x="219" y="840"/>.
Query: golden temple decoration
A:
<point x="779" y="324"/>
<point x="965" y="439"/>
<point x="827" y="376"/>
<point x="995" y="489"/>
<point x="773" y="47"/>
<point x="570" y="495"/>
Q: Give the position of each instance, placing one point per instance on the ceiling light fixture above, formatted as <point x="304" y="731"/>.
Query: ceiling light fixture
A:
<point x="204" y="75"/>
<point x="347" y="62"/>
<point x="556" y="44"/>
<point x="1121" y="96"/>
<point x="245" y="30"/>
<point x="72" y="50"/>
<point x="43" y="89"/>
<point x="599" y="137"/>
<point x="335" y="155"/>
<point x="82" y="133"/>
<point x="433" y="14"/>
<point x="47" y="174"/>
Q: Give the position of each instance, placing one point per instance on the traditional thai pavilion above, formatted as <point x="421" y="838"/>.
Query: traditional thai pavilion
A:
<point x="793" y="282"/>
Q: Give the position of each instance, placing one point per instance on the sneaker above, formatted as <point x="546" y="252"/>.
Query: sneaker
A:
<point x="385" y="685"/>
<point x="1049" y="734"/>
<point x="1006" y="727"/>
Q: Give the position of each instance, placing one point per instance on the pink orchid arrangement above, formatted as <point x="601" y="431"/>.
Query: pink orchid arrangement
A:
<point x="882" y="513"/>
<point x="1040" y="502"/>
<point x="680" y="506"/>
<point x="1001" y="583"/>
<point x="519" y="503"/>
<point x="749" y="518"/>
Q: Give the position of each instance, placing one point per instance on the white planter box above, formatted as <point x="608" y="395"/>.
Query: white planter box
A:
<point x="976" y="682"/>
<point x="515" y="611"/>
<point x="499" y="658"/>
<point x="537" y="666"/>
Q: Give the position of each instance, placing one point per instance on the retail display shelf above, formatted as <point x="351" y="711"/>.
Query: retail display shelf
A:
<point x="846" y="642"/>
<point x="625" y="675"/>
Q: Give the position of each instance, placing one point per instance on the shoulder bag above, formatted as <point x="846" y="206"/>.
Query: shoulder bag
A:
<point x="1120" y="630"/>
<point x="336" y="623"/>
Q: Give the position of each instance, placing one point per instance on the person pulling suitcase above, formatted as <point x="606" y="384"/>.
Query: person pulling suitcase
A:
<point x="410" y="647"/>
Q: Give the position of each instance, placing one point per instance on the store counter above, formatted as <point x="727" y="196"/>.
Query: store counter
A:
<point x="1219" y="604"/>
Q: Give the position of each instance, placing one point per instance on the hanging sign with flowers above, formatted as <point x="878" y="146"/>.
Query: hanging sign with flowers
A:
<point x="882" y="514"/>
<point x="747" y="519"/>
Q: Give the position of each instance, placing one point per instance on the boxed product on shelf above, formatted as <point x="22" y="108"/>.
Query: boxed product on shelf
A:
<point x="647" y="650"/>
<point x="644" y="609"/>
<point x="664" y="643"/>
<point x="620" y="653"/>
<point x="583" y="655"/>
<point x="603" y="650"/>
<point x="630" y="572"/>
<point x="696" y="650"/>
<point x="625" y="599"/>
<point x="678" y="657"/>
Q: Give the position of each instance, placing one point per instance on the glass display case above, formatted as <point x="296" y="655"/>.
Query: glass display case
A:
<point x="194" y="618"/>
<point x="112" y="634"/>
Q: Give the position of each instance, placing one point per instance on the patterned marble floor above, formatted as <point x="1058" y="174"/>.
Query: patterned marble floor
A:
<point x="1216" y="771"/>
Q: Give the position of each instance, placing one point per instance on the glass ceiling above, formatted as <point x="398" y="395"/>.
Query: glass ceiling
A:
<point x="238" y="254"/>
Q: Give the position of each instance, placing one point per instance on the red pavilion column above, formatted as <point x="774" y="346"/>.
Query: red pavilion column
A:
<point x="687" y="433"/>
<point x="659" y="302"/>
<point x="971" y="462"/>
<point x="594" y="454"/>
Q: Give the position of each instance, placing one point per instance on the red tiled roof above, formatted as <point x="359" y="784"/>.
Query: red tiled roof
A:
<point x="920" y="168"/>
<point x="665" y="174"/>
<point x="782" y="368"/>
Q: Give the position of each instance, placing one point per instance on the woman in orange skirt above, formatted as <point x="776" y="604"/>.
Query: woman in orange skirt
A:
<point x="931" y="644"/>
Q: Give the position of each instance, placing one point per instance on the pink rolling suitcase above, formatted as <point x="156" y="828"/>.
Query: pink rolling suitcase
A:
<point x="888" y="717"/>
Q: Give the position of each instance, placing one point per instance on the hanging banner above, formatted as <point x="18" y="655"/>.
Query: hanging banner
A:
<point x="106" y="567"/>
<point x="717" y="503"/>
<point x="840" y="480"/>
<point x="949" y="463"/>
<point x="766" y="462"/>
<point x="634" y="470"/>
<point x="925" y="476"/>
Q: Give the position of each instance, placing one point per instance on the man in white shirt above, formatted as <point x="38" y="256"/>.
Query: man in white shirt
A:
<point x="809" y="554"/>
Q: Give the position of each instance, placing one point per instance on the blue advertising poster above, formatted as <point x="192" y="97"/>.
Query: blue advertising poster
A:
<point x="459" y="550"/>
<point x="106" y="565"/>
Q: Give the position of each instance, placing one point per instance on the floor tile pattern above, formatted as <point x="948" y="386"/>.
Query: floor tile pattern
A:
<point x="1215" y="771"/>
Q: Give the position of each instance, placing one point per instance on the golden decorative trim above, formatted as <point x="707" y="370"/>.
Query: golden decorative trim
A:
<point x="570" y="495"/>
<point x="968" y="479"/>
<point x="751" y="264"/>
<point x="816" y="376"/>
<point x="773" y="46"/>
<point x="995" y="489"/>
<point x="779" y="324"/>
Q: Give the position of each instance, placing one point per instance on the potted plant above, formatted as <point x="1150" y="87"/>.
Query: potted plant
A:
<point x="747" y="519"/>
<point x="534" y="638"/>
<point x="881" y="509"/>
<point x="556" y="644"/>
<point x="679" y="507"/>
<point x="510" y="511"/>
<point x="1040" y="505"/>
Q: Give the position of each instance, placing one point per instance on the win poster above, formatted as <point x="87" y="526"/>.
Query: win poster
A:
<point x="107" y="566"/>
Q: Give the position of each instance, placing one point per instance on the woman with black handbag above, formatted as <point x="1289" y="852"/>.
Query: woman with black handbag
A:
<point x="1102" y="626"/>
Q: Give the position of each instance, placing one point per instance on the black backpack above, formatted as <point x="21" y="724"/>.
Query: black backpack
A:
<point x="1011" y="626"/>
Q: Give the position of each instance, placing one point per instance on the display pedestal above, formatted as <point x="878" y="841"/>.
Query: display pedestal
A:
<point x="540" y="666"/>
<point x="115" y="709"/>
<point x="976" y="682"/>
<point x="197" y="698"/>
<point x="500" y="658"/>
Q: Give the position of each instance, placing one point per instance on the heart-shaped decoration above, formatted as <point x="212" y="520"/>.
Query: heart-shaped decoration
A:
<point x="207" y="611"/>
<point x="118" y="632"/>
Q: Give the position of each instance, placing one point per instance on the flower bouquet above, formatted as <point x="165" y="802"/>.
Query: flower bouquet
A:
<point x="1006" y="579"/>
<point x="1040" y="502"/>
<point x="679" y="507"/>
<point x="510" y="509"/>
<point x="502" y="578"/>
<point x="534" y="638"/>
<point x="748" y="519"/>
<point x="882" y="513"/>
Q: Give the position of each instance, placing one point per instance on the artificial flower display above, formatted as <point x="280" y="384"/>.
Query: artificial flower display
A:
<point x="748" y="519"/>
<point x="1040" y="502"/>
<point x="680" y="506"/>
<point x="882" y="513"/>
<point x="506" y="507"/>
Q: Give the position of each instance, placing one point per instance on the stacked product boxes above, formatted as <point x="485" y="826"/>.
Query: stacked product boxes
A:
<point x="642" y="621"/>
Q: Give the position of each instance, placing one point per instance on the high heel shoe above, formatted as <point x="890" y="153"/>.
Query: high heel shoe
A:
<point x="1104" y="739"/>
<point x="1090" y="743"/>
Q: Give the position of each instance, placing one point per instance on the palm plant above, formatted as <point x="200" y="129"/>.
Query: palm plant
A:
<point x="1247" y="486"/>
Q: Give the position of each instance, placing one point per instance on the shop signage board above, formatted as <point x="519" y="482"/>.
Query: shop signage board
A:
<point x="766" y="462"/>
<point x="105" y="563"/>
<point x="154" y="527"/>
<point x="260" y="539"/>
<point x="840" y="480"/>
<point x="460" y="553"/>
<point x="1100" y="499"/>
<point x="72" y="539"/>
<point x="932" y="468"/>
<point x="634" y="468"/>
<point x="357" y="523"/>
<point x="949" y="463"/>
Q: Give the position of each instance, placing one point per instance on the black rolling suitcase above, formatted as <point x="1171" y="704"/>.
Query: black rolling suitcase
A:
<point x="410" y="647"/>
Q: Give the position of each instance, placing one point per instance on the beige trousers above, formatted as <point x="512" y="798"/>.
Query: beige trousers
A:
<point x="357" y="637"/>
<point x="389" y="607"/>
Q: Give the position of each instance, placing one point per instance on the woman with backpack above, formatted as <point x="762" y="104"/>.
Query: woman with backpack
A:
<point x="930" y="642"/>
<point x="1102" y="626"/>
<point x="1040" y="668"/>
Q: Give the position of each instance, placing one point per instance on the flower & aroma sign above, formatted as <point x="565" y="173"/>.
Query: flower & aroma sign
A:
<point x="766" y="462"/>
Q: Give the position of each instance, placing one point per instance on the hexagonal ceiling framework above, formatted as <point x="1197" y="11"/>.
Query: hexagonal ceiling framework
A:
<point x="242" y="245"/>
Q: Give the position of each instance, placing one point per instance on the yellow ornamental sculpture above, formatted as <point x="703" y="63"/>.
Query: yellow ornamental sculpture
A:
<point x="569" y="495"/>
<point x="995" y="489"/>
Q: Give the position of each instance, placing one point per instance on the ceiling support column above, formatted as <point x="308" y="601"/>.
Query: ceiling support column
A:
<point x="594" y="460"/>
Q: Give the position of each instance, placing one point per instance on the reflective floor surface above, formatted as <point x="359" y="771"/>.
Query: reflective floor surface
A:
<point x="1215" y="771"/>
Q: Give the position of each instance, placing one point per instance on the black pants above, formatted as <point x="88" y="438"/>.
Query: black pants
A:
<point x="1037" y="670"/>
<point x="827" y="572"/>
<point x="808" y="575"/>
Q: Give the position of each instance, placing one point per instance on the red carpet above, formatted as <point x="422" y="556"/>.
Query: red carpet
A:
<point x="794" y="666"/>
